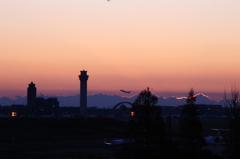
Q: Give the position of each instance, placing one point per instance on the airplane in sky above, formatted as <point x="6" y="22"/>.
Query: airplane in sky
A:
<point x="125" y="91"/>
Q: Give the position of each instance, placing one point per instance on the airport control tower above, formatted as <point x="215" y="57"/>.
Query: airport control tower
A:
<point x="83" y="77"/>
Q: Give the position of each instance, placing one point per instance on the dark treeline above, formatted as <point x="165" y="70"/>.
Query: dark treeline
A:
<point x="151" y="136"/>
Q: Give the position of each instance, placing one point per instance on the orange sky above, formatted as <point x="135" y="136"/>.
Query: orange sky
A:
<point x="168" y="46"/>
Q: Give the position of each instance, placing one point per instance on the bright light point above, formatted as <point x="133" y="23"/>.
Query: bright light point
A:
<point x="14" y="114"/>
<point x="132" y="113"/>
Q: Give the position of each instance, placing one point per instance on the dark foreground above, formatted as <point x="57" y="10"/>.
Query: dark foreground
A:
<point x="69" y="138"/>
<point x="60" y="138"/>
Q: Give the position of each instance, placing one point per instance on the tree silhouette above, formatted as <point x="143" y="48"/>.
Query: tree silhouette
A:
<point x="147" y="128"/>
<point x="233" y="121"/>
<point x="190" y="129"/>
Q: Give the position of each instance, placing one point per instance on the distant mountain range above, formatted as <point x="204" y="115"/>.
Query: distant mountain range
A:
<point x="109" y="101"/>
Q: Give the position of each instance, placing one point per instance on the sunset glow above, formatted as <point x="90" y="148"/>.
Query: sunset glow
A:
<point x="169" y="46"/>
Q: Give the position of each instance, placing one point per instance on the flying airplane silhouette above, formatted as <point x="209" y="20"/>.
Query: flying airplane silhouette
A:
<point x="125" y="91"/>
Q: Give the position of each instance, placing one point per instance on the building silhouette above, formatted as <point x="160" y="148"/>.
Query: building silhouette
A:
<point x="37" y="107"/>
<point x="83" y="77"/>
<point x="31" y="95"/>
<point x="47" y="107"/>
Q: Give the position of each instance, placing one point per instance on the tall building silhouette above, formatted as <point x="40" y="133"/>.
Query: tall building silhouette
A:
<point x="83" y="77"/>
<point x="37" y="107"/>
<point x="31" y="95"/>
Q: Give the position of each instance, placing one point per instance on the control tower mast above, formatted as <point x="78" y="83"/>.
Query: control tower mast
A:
<point x="83" y="77"/>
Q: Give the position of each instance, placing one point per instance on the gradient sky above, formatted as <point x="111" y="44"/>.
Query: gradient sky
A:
<point x="169" y="46"/>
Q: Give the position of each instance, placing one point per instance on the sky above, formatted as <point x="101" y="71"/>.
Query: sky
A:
<point x="169" y="46"/>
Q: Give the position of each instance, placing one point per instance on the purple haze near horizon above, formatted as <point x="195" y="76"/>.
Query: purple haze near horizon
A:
<point x="216" y="96"/>
<point x="109" y="99"/>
